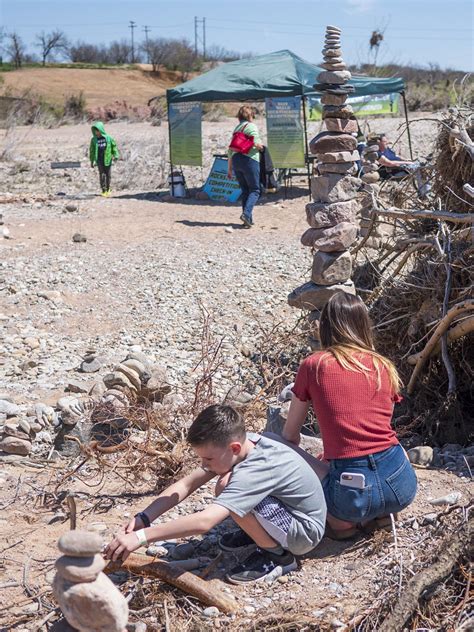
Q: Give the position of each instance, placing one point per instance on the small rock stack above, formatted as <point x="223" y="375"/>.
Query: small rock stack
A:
<point x="370" y="178"/>
<point x="88" y="599"/>
<point x="332" y="215"/>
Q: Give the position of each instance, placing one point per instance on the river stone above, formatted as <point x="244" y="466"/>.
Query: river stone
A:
<point x="118" y="379"/>
<point x="136" y="366"/>
<point x="131" y="374"/>
<point x="333" y="99"/>
<point x="12" y="430"/>
<point x="96" y="606"/>
<point x="337" y="76"/>
<point x="334" y="239"/>
<point x="329" y="268"/>
<point x="80" y="569"/>
<point x="338" y="111"/>
<point x="421" y="455"/>
<point x="326" y="215"/>
<point x="332" y="141"/>
<point x="15" y="445"/>
<point x="311" y="296"/>
<point x="339" y="156"/>
<point x="334" y="188"/>
<point x="332" y="27"/>
<point x="80" y="543"/>
<point x="337" y="65"/>
<point x="341" y="125"/>
<point x="91" y="366"/>
<point x="337" y="167"/>
<point x="332" y="51"/>
<point x="371" y="178"/>
<point x="8" y="409"/>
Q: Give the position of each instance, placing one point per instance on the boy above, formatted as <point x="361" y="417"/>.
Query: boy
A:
<point x="102" y="150"/>
<point x="268" y="489"/>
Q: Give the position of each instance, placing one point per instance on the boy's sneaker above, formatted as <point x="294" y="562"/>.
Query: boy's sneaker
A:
<point x="262" y="565"/>
<point x="235" y="540"/>
<point x="248" y="223"/>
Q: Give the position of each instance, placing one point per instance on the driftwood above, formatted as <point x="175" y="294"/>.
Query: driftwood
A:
<point x="459" y="330"/>
<point x="208" y="592"/>
<point x="443" y="325"/>
<point x="448" y="554"/>
<point x="463" y="137"/>
<point x="446" y="216"/>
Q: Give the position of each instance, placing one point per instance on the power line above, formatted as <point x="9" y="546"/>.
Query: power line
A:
<point x="131" y="27"/>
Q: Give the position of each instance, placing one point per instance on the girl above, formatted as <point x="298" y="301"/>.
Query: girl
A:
<point x="352" y="389"/>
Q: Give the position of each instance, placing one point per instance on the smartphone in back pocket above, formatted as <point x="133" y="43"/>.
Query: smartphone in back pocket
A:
<point x="350" y="479"/>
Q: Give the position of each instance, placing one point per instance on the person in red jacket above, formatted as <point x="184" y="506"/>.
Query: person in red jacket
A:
<point x="353" y="389"/>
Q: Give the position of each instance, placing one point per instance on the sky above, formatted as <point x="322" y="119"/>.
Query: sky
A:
<point x="416" y="32"/>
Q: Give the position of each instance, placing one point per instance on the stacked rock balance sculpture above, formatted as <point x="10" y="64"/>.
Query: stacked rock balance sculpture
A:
<point x="332" y="215"/>
<point x="88" y="599"/>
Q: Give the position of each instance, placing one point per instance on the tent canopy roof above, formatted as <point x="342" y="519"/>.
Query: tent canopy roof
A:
<point x="277" y="74"/>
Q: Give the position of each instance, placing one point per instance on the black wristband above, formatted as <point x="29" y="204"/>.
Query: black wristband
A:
<point x="144" y="518"/>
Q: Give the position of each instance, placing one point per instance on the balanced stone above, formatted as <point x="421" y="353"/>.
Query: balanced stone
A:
<point x="338" y="111"/>
<point x="80" y="569"/>
<point x="331" y="27"/>
<point x="371" y="178"/>
<point x="313" y="322"/>
<point x="330" y="51"/>
<point x="334" y="188"/>
<point x="334" y="239"/>
<point x="12" y="430"/>
<point x="15" y="445"/>
<point x="136" y="365"/>
<point x="129" y="373"/>
<point x="80" y="543"/>
<point x="329" y="268"/>
<point x="311" y="296"/>
<point x="336" y="65"/>
<point x="333" y="99"/>
<point x="331" y="141"/>
<point x="337" y="76"/>
<point x="327" y="215"/>
<point x="334" y="60"/>
<point x="92" y="606"/>
<point x="339" y="156"/>
<point x="341" y="125"/>
<point x="117" y="379"/>
<point x="91" y="366"/>
<point x="337" y="167"/>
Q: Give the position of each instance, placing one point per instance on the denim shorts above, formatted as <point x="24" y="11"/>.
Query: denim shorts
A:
<point x="390" y="485"/>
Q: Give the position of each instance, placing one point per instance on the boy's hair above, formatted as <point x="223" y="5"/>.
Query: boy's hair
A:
<point x="218" y="424"/>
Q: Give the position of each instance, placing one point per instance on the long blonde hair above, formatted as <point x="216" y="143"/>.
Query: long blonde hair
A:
<point x="345" y="332"/>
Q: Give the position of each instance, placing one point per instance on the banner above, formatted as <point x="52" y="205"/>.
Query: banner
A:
<point x="184" y="120"/>
<point x="285" y="136"/>
<point x="218" y="186"/>
<point x="363" y="106"/>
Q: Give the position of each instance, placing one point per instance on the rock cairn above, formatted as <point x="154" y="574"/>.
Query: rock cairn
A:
<point x="332" y="214"/>
<point x="88" y="599"/>
<point x="370" y="178"/>
<point x="26" y="430"/>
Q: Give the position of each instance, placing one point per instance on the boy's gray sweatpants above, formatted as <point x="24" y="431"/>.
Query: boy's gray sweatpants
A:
<point x="104" y="177"/>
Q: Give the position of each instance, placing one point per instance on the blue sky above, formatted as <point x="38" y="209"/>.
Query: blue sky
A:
<point x="419" y="32"/>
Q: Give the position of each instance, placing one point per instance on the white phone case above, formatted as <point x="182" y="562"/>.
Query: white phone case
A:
<point x="351" y="479"/>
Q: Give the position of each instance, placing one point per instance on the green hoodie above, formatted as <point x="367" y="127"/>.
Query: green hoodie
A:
<point x="111" y="151"/>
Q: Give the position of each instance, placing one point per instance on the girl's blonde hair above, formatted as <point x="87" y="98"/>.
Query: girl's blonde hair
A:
<point x="345" y="331"/>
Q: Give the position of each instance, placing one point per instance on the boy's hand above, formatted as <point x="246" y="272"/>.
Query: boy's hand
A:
<point x="121" y="547"/>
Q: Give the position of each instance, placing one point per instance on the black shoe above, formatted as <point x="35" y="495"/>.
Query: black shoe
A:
<point x="248" y="223"/>
<point x="261" y="565"/>
<point x="235" y="540"/>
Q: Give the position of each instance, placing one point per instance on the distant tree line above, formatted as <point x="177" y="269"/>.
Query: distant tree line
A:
<point x="172" y="54"/>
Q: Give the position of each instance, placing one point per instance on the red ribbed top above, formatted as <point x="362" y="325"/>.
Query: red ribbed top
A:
<point x="353" y="416"/>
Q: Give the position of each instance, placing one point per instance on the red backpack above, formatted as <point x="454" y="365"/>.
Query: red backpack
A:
<point x="242" y="143"/>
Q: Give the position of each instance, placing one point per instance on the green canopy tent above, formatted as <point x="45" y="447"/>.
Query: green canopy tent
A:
<point x="277" y="74"/>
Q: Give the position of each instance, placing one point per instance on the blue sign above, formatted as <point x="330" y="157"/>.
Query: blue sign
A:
<point x="218" y="186"/>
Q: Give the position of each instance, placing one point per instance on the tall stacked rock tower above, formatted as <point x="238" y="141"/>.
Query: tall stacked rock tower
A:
<point x="332" y="215"/>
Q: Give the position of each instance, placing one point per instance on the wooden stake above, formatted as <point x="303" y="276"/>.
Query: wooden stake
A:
<point x="209" y="593"/>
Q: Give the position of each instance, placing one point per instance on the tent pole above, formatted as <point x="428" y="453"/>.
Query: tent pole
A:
<point x="305" y="129"/>
<point x="169" y="146"/>
<point x="408" y="123"/>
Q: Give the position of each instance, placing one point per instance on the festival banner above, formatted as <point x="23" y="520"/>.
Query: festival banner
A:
<point x="184" y="120"/>
<point x="363" y="106"/>
<point x="218" y="186"/>
<point x="285" y="136"/>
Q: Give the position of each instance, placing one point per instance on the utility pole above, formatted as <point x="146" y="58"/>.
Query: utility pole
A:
<point x="147" y="29"/>
<point x="131" y="27"/>
<point x="199" y="39"/>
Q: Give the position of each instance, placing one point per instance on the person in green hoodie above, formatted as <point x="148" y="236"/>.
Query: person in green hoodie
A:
<point x="102" y="150"/>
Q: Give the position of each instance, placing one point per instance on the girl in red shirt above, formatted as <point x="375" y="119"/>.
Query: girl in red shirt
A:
<point x="352" y="389"/>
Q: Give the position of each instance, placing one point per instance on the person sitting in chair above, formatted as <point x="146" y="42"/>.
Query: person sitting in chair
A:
<point x="393" y="166"/>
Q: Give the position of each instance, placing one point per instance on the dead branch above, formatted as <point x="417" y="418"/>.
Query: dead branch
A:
<point x="209" y="593"/>
<point x="446" y="216"/>
<point x="443" y="325"/>
<point x="462" y="137"/>
<point x="448" y="553"/>
<point x="461" y="329"/>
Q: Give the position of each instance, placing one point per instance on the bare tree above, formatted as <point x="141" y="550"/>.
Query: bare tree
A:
<point x="81" y="52"/>
<point x="120" y="52"/>
<point x="158" y="51"/>
<point x="15" y="48"/>
<point x="50" y="42"/>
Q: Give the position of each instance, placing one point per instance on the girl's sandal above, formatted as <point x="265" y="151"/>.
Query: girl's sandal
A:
<point x="341" y="534"/>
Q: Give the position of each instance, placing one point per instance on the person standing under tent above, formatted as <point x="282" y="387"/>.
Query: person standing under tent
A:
<point x="246" y="166"/>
